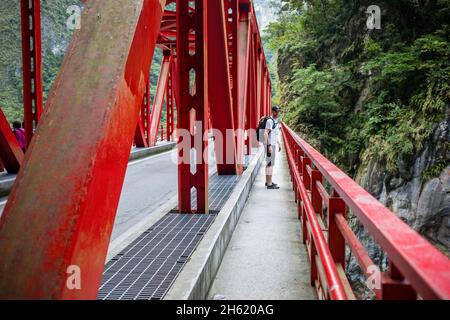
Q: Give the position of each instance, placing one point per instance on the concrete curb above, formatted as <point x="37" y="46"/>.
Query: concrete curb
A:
<point x="198" y="274"/>
<point x="6" y="184"/>
<point x="147" y="152"/>
<point x="8" y="180"/>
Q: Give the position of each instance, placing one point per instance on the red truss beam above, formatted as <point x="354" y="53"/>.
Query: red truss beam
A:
<point x="31" y="62"/>
<point x="253" y="112"/>
<point x="170" y="103"/>
<point x="11" y="155"/>
<point x="141" y="137"/>
<point x="158" y="101"/>
<point x="220" y="96"/>
<point x="192" y="102"/>
<point x="69" y="188"/>
<point x="244" y="39"/>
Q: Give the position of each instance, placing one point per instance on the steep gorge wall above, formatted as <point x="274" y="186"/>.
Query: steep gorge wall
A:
<point x="55" y="38"/>
<point x="417" y="186"/>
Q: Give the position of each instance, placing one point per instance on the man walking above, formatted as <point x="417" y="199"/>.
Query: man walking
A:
<point x="272" y="145"/>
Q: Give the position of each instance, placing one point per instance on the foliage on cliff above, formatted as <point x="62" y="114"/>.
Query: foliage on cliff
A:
<point x="360" y="94"/>
<point x="55" y="39"/>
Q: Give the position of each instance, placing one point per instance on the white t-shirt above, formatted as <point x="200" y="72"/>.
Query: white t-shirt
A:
<point x="274" y="132"/>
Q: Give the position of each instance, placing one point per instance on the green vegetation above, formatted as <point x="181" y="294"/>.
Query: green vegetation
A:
<point x="434" y="171"/>
<point x="55" y="38"/>
<point x="360" y="94"/>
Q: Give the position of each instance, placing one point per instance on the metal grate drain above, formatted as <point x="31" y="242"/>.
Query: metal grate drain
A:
<point x="146" y="269"/>
<point x="220" y="189"/>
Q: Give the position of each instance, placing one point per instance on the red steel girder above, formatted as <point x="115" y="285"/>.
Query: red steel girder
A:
<point x="243" y="62"/>
<point x="31" y="64"/>
<point x="11" y="155"/>
<point x="220" y="98"/>
<point x="141" y="137"/>
<point x="158" y="101"/>
<point x="191" y="21"/>
<point x="253" y="111"/>
<point x="69" y="188"/>
<point x="170" y="103"/>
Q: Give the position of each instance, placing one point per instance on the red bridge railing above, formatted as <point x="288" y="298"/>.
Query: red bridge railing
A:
<point x="416" y="269"/>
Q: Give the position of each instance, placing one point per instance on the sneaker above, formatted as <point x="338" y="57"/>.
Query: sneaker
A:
<point x="273" y="187"/>
<point x="273" y="183"/>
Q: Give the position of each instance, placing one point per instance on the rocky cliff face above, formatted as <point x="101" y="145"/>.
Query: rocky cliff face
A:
<point x="422" y="201"/>
<point x="417" y="187"/>
<point x="419" y="194"/>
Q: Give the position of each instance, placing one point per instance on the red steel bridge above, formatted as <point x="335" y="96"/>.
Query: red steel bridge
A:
<point x="214" y="74"/>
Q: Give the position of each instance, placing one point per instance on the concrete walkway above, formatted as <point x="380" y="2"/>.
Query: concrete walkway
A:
<point x="265" y="258"/>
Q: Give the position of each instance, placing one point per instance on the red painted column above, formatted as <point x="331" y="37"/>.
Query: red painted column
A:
<point x="219" y="90"/>
<point x="232" y="12"/>
<point x="193" y="100"/>
<point x="252" y="109"/>
<point x="32" y="65"/>
<point x="146" y="112"/>
<point x="170" y="102"/>
<point x="259" y="80"/>
<point x="244" y="37"/>
<point x="60" y="213"/>
<point x="235" y="59"/>
<point x="158" y="101"/>
<point x="141" y="137"/>
<point x="336" y="241"/>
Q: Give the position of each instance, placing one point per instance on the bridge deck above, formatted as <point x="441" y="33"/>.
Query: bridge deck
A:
<point x="265" y="258"/>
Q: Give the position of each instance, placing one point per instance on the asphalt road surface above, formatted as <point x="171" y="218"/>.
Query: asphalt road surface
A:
<point x="149" y="183"/>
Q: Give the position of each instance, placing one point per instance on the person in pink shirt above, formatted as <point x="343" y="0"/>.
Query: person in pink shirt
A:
<point x="19" y="133"/>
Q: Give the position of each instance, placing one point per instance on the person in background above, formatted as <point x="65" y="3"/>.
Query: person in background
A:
<point x="272" y="145"/>
<point x="19" y="133"/>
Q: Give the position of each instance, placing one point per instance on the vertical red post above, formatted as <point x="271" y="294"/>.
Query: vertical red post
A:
<point x="145" y="115"/>
<point x="243" y="41"/>
<point x="232" y="12"/>
<point x="32" y="65"/>
<point x="336" y="241"/>
<point x="306" y="177"/>
<point x="258" y="79"/>
<point x="141" y="137"/>
<point x="251" y="103"/>
<point x="220" y="93"/>
<point x="394" y="286"/>
<point x="170" y="102"/>
<point x="263" y="90"/>
<point x="192" y="21"/>
<point x="316" y="197"/>
<point x="255" y="110"/>
<point x="158" y="101"/>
